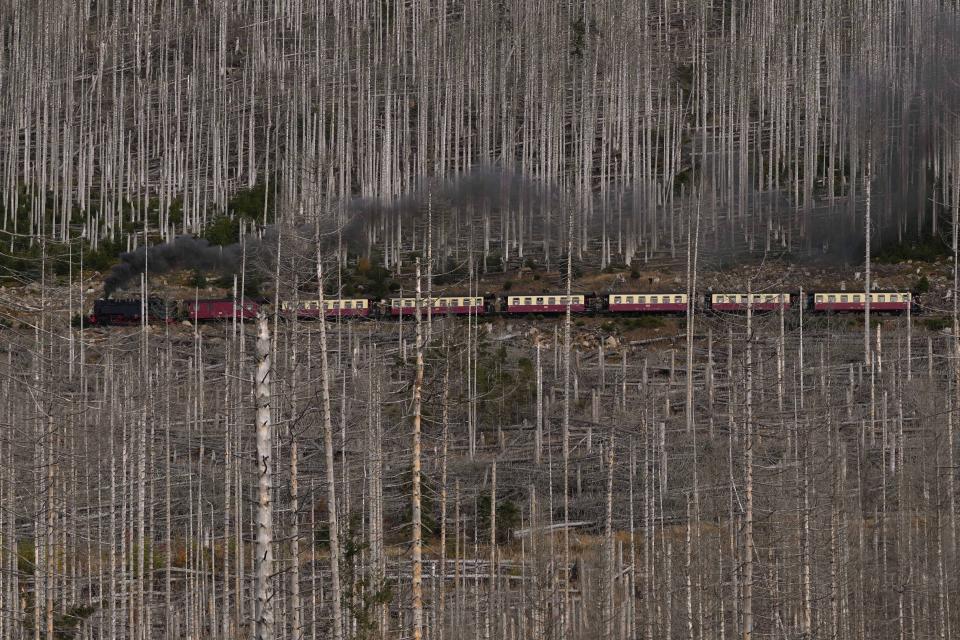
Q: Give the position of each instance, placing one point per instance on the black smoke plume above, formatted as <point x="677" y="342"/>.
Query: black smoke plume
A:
<point x="183" y="252"/>
<point x="483" y="187"/>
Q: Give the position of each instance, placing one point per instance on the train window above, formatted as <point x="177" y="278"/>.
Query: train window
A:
<point x="678" y="299"/>
<point x="881" y="298"/>
<point x="833" y="298"/>
<point x="843" y="298"/>
<point x="553" y="301"/>
<point x="408" y="303"/>
<point x="527" y="301"/>
<point x="618" y="299"/>
<point x="348" y="305"/>
<point x="563" y="300"/>
<point x="641" y="299"/>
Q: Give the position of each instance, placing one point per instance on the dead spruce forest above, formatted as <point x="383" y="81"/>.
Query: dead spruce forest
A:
<point x="708" y="476"/>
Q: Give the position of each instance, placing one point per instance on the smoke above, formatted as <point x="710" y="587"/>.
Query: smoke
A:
<point x="484" y="187"/>
<point x="481" y="187"/>
<point x="907" y="110"/>
<point x="184" y="252"/>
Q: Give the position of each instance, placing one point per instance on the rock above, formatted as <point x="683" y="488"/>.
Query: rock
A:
<point x="611" y="342"/>
<point x="186" y="323"/>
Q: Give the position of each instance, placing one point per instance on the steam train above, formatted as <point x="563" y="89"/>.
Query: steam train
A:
<point x="108" y="312"/>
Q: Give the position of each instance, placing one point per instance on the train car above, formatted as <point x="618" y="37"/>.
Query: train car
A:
<point x="335" y="308"/>
<point x="108" y="311"/>
<point x="446" y="305"/>
<point x="206" y="310"/>
<point x="848" y="301"/>
<point x="647" y="302"/>
<point x="755" y="301"/>
<point x="545" y="303"/>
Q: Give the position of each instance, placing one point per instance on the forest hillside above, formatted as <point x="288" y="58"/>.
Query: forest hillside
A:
<point x="699" y="475"/>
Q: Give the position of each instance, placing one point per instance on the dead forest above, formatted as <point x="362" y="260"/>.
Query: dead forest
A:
<point x="708" y="476"/>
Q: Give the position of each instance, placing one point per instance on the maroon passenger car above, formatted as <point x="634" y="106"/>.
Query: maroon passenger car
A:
<point x="755" y="301"/>
<point x="453" y="305"/>
<point x="846" y="301"/>
<point x="647" y="302"/>
<point x="545" y="303"/>
<point x="335" y="308"/>
<point x="202" y="310"/>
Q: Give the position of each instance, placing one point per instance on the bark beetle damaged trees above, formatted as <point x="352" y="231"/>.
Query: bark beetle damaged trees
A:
<point x="702" y="475"/>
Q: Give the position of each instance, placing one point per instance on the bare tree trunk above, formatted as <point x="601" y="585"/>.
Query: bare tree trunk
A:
<point x="748" y="453"/>
<point x="867" y="179"/>
<point x="442" y="600"/>
<point x="263" y="617"/>
<point x="335" y="595"/>
<point x="565" y="630"/>
<point x="417" y="535"/>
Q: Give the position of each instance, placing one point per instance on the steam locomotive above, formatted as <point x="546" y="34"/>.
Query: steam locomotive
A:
<point x="132" y="311"/>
